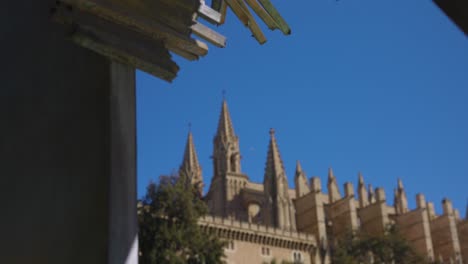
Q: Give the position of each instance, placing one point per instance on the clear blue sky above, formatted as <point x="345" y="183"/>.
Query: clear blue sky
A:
<point x="373" y="86"/>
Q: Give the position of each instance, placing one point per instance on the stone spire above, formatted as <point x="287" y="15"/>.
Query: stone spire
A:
<point x="190" y="167"/>
<point x="274" y="161"/>
<point x="226" y="152"/>
<point x="371" y="192"/>
<point x="300" y="181"/>
<point x="362" y="192"/>
<point x="280" y="210"/>
<point x="401" y="202"/>
<point x="225" y="128"/>
<point x="333" y="191"/>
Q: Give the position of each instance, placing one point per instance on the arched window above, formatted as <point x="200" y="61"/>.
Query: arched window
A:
<point x="297" y="257"/>
<point x="230" y="245"/>
<point x="266" y="251"/>
<point x="233" y="163"/>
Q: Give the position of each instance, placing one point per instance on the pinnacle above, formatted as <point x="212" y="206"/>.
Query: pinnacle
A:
<point x="272" y="132"/>
<point x="274" y="161"/>
<point x="299" y="171"/>
<point x="400" y="184"/>
<point x="360" y="179"/>
<point x="331" y="176"/>
<point x="225" y="128"/>
<point x="190" y="161"/>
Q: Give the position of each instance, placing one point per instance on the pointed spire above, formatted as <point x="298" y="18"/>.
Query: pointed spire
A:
<point x="401" y="201"/>
<point x="299" y="168"/>
<point x="274" y="161"/>
<point x="362" y="192"/>
<point x="280" y="210"/>
<point x="333" y="191"/>
<point x="400" y="184"/>
<point x="226" y="152"/>
<point x="190" y="166"/>
<point x="370" y="190"/>
<point x="225" y="128"/>
<point x="300" y="181"/>
<point x="360" y="179"/>
<point x="331" y="175"/>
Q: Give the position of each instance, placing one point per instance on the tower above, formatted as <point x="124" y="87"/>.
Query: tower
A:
<point x="223" y="197"/>
<point x="190" y="170"/>
<point x="279" y="209"/>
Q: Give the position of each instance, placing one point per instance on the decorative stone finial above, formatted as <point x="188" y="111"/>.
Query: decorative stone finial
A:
<point x="272" y="131"/>
<point x="363" y="196"/>
<point x="400" y="184"/>
<point x="360" y="179"/>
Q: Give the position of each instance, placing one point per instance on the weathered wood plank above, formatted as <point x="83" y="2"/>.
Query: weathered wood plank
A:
<point x="283" y="26"/>
<point x="208" y="34"/>
<point x="238" y="11"/>
<point x="185" y="54"/>
<point x="209" y="14"/>
<point x="190" y="6"/>
<point x="113" y="53"/>
<point x="119" y="43"/>
<point x="252" y="24"/>
<point x="258" y="9"/>
<point x="149" y="27"/>
<point x="221" y="7"/>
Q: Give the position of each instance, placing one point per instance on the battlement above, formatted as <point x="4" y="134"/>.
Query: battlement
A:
<point x="245" y="231"/>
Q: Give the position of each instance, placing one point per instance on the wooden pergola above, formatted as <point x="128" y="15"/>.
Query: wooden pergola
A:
<point x="142" y="33"/>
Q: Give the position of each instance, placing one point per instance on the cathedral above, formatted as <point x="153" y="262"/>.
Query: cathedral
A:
<point x="270" y="220"/>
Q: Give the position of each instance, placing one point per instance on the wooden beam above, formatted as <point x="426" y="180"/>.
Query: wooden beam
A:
<point x="113" y="53"/>
<point x="185" y="54"/>
<point x="144" y="25"/>
<point x="209" y="14"/>
<point x="208" y="34"/>
<point x="238" y="11"/>
<point x="252" y="24"/>
<point x="258" y="9"/>
<point x="221" y="7"/>
<point x="283" y="26"/>
<point x="119" y="43"/>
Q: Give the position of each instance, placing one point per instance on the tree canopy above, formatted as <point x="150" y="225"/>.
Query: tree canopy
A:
<point x="168" y="225"/>
<point x="354" y="248"/>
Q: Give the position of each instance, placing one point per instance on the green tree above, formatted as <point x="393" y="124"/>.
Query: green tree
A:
<point x="354" y="248"/>
<point x="168" y="225"/>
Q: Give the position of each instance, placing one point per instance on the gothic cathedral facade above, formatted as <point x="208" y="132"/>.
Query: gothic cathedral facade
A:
<point x="270" y="220"/>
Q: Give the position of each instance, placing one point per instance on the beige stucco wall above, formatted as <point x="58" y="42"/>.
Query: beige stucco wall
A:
<point x="414" y="226"/>
<point x="251" y="253"/>
<point x="445" y="237"/>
